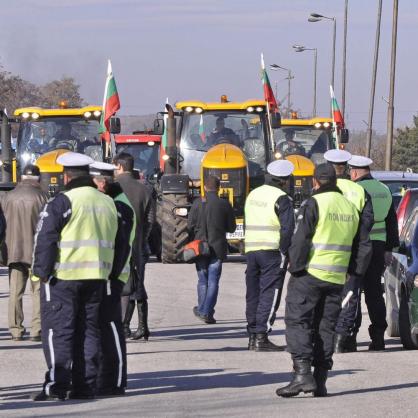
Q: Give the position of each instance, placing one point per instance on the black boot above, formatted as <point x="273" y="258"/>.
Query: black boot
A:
<point x="302" y="381"/>
<point x="340" y="343"/>
<point x="262" y="343"/>
<point x="377" y="344"/>
<point x="251" y="342"/>
<point x="320" y="375"/>
<point x="351" y="344"/>
<point x="127" y="319"/>
<point x="142" y="331"/>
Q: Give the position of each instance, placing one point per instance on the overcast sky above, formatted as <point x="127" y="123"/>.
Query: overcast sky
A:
<point x="196" y="49"/>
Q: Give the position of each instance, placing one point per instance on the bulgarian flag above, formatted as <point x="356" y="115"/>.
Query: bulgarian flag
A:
<point x="111" y="103"/>
<point x="268" y="91"/>
<point x="202" y="129"/>
<point x="337" y="117"/>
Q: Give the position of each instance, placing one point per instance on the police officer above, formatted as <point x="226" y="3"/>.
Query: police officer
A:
<point x="384" y="237"/>
<point x="73" y="257"/>
<point x="326" y="245"/>
<point x="346" y="330"/>
<point x="112" y="376"/>
<point x="269" y="225"/>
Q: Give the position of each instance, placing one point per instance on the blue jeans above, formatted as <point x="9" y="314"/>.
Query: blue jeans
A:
<point x="209" y="271"/>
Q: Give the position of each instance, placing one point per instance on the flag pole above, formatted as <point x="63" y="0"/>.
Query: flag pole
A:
<point x="268" y="109"/>
<point x="334" y="124"/>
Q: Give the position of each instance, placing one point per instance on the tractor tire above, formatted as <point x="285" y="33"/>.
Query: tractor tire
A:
<point x="174" y="234"/>
<point x="405" y="324"/>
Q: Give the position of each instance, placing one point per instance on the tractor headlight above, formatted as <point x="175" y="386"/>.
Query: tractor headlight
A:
<point x="416" y="281"/>
<point x="318" y="125"/>
<point x="97" y="113"/>
<point x="35" y="115"/>
<point x="165" y="157"/>
<point x="180" y="211"/>
<point x="25" y="115"/>
<point x="189" y="109"/>
<point x="278" y="155"/>
<point x="326" y="125"/>
<point x="250" y="109"/>
<point x="150" y="143"/>
<point x="259" y="109"/>
<point x="87" y="114"/>
<point x="198" y="110"/>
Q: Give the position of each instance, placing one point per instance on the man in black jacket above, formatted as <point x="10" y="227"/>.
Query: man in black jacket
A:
<point x="143" y="203"/>
<point x="210" y="218"/>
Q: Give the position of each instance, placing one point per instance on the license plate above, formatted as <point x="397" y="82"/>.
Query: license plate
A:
<point x="238" y="234"/>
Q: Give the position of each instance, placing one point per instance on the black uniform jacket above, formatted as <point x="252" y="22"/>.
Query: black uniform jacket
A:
<point x="220" y="219"/>
<point x="140" y="197"/>
<point x="392" y="233"/>
<point x="306" y="222"/>
<point x="53" y="219"/>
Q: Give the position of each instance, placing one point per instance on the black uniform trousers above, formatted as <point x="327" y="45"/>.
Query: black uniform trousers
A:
<point x="112" y="368"/>
<point x="71" y="334"/>
<point x="373" y="291"/>
<point x="264" y="279"/>
<point x="349" y="320"/>
<point x="312" y="308"/>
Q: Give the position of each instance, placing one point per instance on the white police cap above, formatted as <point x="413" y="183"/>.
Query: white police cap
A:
<point x="99" y="168"/>
<point x="74" y="159"/>
<point x="360" y="161"/>
<point x="280" y="168"/>
<point x="337" y="156"/>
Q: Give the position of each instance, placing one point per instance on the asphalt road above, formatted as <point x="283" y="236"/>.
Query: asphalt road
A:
<point x="189" y="369"/>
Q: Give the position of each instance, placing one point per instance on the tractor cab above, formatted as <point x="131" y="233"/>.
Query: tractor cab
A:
<point x="243" y="125"/>
<point x="44" y="130"/>
<point x="304" y="142"/>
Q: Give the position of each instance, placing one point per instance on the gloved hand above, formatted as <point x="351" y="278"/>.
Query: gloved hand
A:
<point x="388" y="258"/>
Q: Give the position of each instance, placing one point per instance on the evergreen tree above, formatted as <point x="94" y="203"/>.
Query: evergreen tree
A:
<point x="405" y="150"/>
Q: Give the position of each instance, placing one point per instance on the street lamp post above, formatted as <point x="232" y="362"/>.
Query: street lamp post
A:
<point x="389" y="139"/>
<point x="315" y="17"/>
<point x="276" y="67"/>
<point x="300" y="48"/>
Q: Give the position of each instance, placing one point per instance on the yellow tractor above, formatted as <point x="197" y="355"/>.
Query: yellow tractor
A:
<point x="304" y="142"/>
<point x="231" y="140"/>
<point x="44" y="134"/>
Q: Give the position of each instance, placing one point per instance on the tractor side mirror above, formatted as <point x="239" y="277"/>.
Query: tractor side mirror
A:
<point x="276" y="120"/>
<point x="158" y="126"/>
<point x="344" y="136"/>
<point x="114" y="125"/>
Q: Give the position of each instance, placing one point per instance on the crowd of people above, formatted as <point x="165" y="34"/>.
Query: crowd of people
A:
<point x="87" y="260"/>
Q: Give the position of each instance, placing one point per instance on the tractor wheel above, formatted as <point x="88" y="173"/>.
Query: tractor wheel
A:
<point x="174" y="235"/>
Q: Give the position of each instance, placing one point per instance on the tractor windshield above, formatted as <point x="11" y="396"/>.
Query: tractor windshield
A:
<point x="307" y="141"/>
<point x="202" y="131"/>
<point x="74" y="133"/>
<point x="146" y="156"/>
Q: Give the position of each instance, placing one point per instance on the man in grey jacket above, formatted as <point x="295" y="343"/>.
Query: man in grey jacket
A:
<point x="21" y="208"/>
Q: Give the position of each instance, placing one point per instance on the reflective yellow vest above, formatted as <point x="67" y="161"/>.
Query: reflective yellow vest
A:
<point x="381" y="202"/>
<point x="262" y="226"/>
<point x="86" y="247"/>
<point x="353" y="192"/>
<point x="124" y="276"/>
<point x="331" y="244"/>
